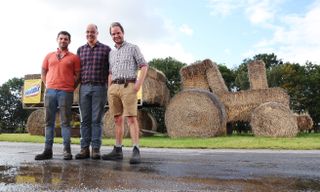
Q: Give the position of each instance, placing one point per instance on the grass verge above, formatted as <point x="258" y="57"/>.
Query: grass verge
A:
<point x="305" y="141"/>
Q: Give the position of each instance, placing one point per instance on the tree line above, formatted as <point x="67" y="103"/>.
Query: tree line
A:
<point x="301" y="81"/>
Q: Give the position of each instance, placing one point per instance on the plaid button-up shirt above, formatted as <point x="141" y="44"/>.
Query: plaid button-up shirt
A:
<point x="125" y="61"/>
<point x="94" y="63"/>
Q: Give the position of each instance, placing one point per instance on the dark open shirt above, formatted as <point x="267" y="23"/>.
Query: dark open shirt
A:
<point x="94" y="63"/>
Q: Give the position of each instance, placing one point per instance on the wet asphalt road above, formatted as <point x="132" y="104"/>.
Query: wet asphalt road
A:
<point x="160" y="170"/>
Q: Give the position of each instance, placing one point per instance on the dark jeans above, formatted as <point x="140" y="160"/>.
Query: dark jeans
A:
<point x="92" y="101"/>
<point x="58" y="100"/>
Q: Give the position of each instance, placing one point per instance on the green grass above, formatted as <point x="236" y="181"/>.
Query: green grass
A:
<point x="302" y="141"/>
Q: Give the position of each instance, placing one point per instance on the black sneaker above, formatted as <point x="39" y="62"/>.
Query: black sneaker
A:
<point x="135" y="158"/>
<point x="46" y="154"/>
<point x="115" y="154"/>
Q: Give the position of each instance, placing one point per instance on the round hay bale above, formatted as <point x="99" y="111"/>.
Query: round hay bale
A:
<point x="36" y="122"/>
<point x="305" y="122"/>
<point x="147" y="123"/>
<point x="145" y="119"/>
<point x="195" y="113"/>
<point x="274" y="120"/>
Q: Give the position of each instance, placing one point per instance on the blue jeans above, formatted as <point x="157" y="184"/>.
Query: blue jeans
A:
<point x="92" y="100"/>
<point x="58" y="100"/>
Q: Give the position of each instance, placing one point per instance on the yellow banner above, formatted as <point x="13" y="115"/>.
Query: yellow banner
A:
<point x="32" y="91"/>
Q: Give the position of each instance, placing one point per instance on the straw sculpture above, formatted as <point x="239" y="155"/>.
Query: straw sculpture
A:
<point x="305" y="122"/>
<point x="238" y="106"/>
<point x="273" y="119"/>
<point x="146" y="122"/>
<point x="257" y="75"/>
<point x="36" y="122"/>
<point x="196" y="113"/>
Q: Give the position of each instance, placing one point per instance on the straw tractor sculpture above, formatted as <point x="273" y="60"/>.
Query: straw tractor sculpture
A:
<point x="205" y="106"/>
<point x="154" y="92"/>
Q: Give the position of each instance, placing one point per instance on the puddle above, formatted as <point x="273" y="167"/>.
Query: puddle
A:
<point x="121" y="176"/>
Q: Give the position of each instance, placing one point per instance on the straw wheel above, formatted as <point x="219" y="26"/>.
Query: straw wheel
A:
<point x="274" y="120"/>
<point x="195" y="113"/>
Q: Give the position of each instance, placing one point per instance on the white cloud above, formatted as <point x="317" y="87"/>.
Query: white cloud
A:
<point x="297" y="38"/>
<point x="257" y="11"/>
<point x="163" y="50"/>
<point x="186" y="30"/>
<point x="29" y="30"/>
<point x="224" y="7"/>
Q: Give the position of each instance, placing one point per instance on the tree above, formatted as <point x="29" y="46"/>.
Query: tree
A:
<point x="12" y="115"/>
<point x="228" y="76"/>
<point x="171" y="68"/>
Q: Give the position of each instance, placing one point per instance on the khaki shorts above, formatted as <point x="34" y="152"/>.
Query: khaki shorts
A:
<point x="122" y="100"/>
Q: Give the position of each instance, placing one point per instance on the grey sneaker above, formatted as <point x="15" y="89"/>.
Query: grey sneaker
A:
<point x="84" y="153"/>
<point x="135" y="158"/>
<point x="46" y="154"/>
<point x="115" y="154"/>
<point x="95" y="153"/>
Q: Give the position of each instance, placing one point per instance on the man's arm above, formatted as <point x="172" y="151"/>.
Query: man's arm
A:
<point x="76" y="79"/>
<point x="43" y="75"/>
<point x="109" y="80"/>
<point x="142" y="76"/>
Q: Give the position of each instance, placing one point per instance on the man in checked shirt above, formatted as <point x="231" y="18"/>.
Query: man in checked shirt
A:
<point x="125" y="60"/>
<point x="93" y="78"/>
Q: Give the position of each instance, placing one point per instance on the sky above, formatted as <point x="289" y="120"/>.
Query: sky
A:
<point x="225" y="31"/>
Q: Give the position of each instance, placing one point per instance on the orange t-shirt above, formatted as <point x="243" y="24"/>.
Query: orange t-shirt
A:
<point x="61" y="72"/>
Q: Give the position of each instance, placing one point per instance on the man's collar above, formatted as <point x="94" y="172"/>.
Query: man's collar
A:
<point x="123" y="43"/>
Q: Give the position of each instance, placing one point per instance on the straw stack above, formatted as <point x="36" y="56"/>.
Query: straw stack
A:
<point x="195" y="113"/>
<point x="257" y="75"/>
<point x="154" y="89"/>
<point x="194" y="76"/>
<point x="305" y="122"/>
<point x="145" y="119"/>
<point x="273" y="119"/>
<point x="215" y="79"/>
<point x="36" y="122"/>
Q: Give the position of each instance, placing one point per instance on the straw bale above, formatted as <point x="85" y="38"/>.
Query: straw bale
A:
<point x="240" y="105"/>
<point x="215" y="80"/>
<point x="273" y="119"/>
<point x="32" y="76"/>
<point x="194" y="76"/>
<point x="195" y="113"/>
<point x="155" y="92"/>
<point x="36" y="122"/>
<point x="305" y="122"/>
<point x="145" y="119"/>
<point x="156" y="74"/>
<point x="257" y="75"/>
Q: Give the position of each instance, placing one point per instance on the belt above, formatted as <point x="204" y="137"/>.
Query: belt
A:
<point x="123" y="81"/>
<point x="94" y="84"/>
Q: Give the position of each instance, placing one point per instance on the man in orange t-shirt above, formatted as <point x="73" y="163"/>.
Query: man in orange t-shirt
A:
<point x="61" y="74"/>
